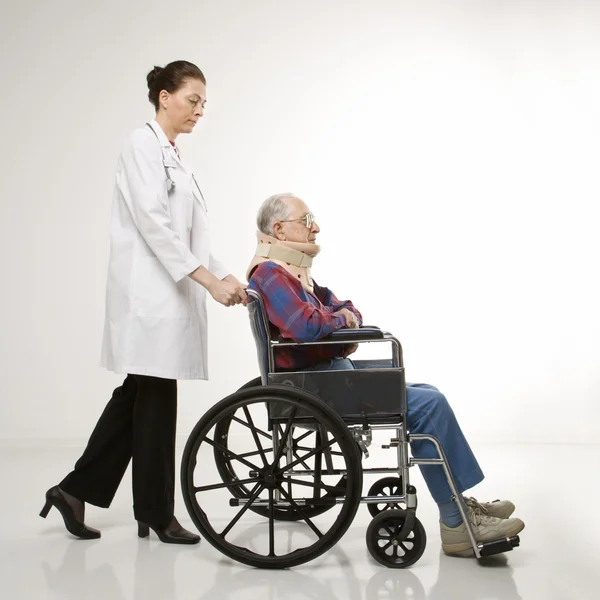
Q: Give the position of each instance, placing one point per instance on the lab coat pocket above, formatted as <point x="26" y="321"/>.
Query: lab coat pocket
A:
<point x="156" y="294"/>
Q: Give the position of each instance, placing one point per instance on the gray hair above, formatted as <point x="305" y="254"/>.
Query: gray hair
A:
<point x="274" y="208"/>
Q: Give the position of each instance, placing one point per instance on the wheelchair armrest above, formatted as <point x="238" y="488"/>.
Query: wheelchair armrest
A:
<point x="348" y="336"/>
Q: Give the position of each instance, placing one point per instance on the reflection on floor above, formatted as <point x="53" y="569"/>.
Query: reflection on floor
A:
<point x="555" y="489"/>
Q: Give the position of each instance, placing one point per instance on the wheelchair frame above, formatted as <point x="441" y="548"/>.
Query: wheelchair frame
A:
<point x="360" y="431"/>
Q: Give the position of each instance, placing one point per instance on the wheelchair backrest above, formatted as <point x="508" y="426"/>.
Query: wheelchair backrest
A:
<point x="259" y="323"/>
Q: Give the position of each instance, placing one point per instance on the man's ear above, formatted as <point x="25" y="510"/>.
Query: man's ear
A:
<point x="278" y="231"/>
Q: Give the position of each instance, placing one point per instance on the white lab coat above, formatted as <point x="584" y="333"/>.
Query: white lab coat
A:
<point x="155" y="315"/>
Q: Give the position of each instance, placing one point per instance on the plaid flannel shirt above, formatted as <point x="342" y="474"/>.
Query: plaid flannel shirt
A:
<point x="299" y="315"/>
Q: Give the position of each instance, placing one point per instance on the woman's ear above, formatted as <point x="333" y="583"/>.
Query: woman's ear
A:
<point x="163" y="98"/>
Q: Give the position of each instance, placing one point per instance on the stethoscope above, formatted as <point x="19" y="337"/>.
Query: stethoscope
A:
<point x="170" y="182"/>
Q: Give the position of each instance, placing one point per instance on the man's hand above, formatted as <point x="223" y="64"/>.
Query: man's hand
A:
<point x="228" y="293"/>
<point x="350" y="318"/>
<point x="348" y="350"/>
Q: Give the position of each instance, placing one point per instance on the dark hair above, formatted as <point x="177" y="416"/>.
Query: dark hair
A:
<point x="171" y="78"/>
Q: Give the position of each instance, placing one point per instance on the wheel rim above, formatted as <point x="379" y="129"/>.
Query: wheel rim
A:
<point x="269" y="474"/>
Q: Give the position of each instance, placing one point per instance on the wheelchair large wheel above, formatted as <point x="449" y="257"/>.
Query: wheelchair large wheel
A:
<point x="299" y="441"/>
<point x="271" y="482"/>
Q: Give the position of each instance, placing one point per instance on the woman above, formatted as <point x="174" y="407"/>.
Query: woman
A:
<point x="155" y="330"/>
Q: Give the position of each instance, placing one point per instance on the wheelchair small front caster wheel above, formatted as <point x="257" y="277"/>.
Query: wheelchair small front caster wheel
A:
<point x="388" y="486"/>
<point x="387" y="547"/>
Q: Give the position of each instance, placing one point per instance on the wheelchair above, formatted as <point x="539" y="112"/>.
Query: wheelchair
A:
<point x="282" y="458"/>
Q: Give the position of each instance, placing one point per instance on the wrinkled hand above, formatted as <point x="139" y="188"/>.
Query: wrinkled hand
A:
<point x="348" y="350"/>
<point x="229" y="293"/>
<point x="350" y="318"/>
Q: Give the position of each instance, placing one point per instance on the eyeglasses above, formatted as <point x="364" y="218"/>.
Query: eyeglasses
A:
<point x="308" y="219"/>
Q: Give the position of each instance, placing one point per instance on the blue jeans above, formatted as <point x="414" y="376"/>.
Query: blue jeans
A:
<point x="430" y="413"/>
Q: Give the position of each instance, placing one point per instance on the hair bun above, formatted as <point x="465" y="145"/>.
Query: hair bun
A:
<point x="151" y="77"/>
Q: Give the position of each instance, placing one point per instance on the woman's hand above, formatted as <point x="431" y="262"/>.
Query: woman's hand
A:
<point x="243" y="286"/>
<point x="228" y="293"/>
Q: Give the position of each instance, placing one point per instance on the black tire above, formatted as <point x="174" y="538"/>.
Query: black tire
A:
<point x="387" y="547"/>
<point x="270" y="477"/>
<point x="387" y="486"/>
<point x="300" y="438"/>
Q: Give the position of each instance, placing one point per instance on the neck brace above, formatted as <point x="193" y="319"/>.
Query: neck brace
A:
<point x="295" y="257"/>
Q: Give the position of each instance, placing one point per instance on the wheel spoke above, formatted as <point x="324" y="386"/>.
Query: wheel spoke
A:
<point x="255" y="436"/>
<point x="304" y="435"/>
<point x="258" y="488"/>
<point x="301" y="512"/>
<point x="231" y="454"/>
<point x="217" y="486"/>
<point x="322" y="486"/>
<point x="255" y="452"/>
<point x="332" y="452"/>
<point x="311" y="453"/>
<point x="301" y="461"/>
<point x="271" y="525"/>
<point x="384" y="548"/>
<point x="259" y="431"/>
<point x="318" y="465"/>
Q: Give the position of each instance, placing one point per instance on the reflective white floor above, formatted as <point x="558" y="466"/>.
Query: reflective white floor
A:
<point x="555" y="488"/>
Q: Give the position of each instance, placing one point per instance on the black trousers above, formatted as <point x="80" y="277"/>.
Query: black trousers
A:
<point x="138" y="423"/>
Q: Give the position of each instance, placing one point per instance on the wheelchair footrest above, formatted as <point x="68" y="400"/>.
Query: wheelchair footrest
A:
<point x="498" y="546"/>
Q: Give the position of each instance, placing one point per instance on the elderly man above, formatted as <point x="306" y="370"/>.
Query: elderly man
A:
<point x="303" y="311"/>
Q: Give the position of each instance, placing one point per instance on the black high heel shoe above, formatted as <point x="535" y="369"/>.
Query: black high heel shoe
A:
<point x="174" y="533"/>
<point x="55" y="498"/>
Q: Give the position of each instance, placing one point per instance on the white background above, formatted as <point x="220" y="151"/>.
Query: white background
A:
<point x="449" y="149"/>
